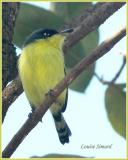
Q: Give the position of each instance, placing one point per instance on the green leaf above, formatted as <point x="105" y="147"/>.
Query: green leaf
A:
<point x="61" y="156"/>
<point x="68" y="10"/>
<point x="122" y="86"/>
<point x="82" y="81"/>
<point x="81" y="49"/>
<point x="115" y="102"/>
<point x="31" y="18"/>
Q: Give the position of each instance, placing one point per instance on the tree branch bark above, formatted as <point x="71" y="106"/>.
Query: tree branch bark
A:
<point x="93" y="21"/>
<point x="9" y="58"/>
<point x="15" y="88"/>
<point x="40" y="111"/>
<point x="89" y="23"/>
<point x="76" y="21"/>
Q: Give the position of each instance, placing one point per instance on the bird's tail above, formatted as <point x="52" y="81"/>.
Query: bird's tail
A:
<point x="62" y="128"/>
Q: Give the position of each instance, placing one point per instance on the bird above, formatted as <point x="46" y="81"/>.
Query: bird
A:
<point x="41" y="66"/>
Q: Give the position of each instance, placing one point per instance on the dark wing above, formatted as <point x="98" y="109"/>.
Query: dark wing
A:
<point x="65" y="103"/>
<point x="66" y="98"/>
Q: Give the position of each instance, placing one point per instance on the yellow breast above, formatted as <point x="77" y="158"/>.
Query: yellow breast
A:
<point x="41" y="67"/>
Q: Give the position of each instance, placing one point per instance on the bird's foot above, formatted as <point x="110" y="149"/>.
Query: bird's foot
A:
<point x="30" y="115"/>
<point x="50" y="93"/>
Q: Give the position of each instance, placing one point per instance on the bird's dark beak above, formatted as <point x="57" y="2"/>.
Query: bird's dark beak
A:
<point x="66" y="31"/>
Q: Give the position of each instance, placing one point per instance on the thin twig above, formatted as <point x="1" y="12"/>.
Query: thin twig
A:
<point x="120" y="70"/>
<point x="40" y="111"/>
<point x="91" y="22"/>
<point x="101" y="79"/>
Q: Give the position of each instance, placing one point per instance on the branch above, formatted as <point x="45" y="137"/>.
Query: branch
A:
<point x="101" y="79"/>
<point x="90" y="20"/>
<point x="15" y="88"/>
<point x="76" y="21"/>
<point x="9" y="59"/>
<point x="116" y="76"/>
<point x="40" y="111"/>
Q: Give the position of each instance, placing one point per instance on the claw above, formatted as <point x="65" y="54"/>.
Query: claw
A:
<point x="50" y="93"/>
<point x="41" y="120"/>
<point x="30" y="115"/>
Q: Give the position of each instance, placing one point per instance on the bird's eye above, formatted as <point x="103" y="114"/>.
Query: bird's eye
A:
<point x="45" y="34"/>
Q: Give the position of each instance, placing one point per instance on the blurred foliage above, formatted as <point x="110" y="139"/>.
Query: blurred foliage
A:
<point x="31" y="18"/>
<point x="69" y="10"/>
<point x="83" y="80"/>
<point x="59" y="156"/>
<point x="115" y="101"/>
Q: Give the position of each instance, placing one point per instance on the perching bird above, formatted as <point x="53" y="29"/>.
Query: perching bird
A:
<point x="41" y="67"/>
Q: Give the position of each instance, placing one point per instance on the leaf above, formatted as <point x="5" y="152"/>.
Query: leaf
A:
<point x="115" y="102"/>
<point x="122" y="86"/>
<point x="68" y="10"/>
<point x="61" y="156"/>
<point x="81" y="49"/>
<point x="83" y="80"/>
<point x="31" y="18"/>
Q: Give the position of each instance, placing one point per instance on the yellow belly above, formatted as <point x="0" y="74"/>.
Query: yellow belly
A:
<point x="40" y="70"/>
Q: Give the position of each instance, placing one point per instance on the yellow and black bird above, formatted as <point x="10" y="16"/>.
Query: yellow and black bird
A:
<point x="41" y="67"/>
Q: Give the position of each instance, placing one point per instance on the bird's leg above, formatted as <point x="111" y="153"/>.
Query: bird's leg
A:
<point x="51" y="94"/>
<point x="32" y="109"/>
<point x="31" y="113"/>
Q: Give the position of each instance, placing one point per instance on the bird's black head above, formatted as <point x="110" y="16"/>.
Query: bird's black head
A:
<point x="39" y="34"/>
